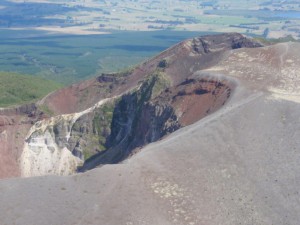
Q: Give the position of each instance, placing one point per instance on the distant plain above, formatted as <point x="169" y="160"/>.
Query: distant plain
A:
<point x="71" y="58"/>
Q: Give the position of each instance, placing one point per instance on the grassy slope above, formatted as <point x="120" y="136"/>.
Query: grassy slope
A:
<point x="16" y="89"/>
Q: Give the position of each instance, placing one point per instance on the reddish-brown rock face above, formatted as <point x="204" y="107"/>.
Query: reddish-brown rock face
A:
<point x="14" y="125"/>
<point x="194" y="99"/>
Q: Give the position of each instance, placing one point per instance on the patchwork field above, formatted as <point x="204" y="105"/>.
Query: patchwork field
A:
<point x="270" y="18"/>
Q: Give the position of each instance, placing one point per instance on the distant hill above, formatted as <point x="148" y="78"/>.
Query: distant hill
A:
<point x="16" y="89"/>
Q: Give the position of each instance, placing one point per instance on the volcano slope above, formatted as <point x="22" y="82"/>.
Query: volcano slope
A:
<point x="237" y="165"/>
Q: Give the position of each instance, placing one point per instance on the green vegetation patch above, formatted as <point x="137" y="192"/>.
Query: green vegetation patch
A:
<point x="161" y="83"/>
<point x="101" y="123"/>
<point x="92" y="134"/>
<point x="18" y="89"/>
<point x="46" y="110"/>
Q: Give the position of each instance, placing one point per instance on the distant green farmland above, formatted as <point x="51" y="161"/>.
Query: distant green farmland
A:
<point x="68" y="59"/>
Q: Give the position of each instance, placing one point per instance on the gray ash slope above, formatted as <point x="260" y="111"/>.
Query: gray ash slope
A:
<point x="238" y="165"/>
